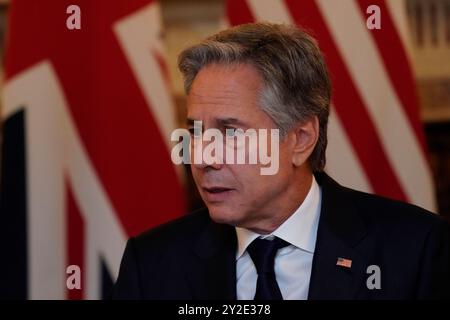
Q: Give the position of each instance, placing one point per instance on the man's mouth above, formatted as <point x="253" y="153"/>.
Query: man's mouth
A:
<point x="217" y="189"/>
<point x="217" y="194"/>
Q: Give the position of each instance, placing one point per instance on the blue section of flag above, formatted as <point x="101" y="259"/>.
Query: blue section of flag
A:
<point x="107" y="282"/>
<point x="13" y="217"/>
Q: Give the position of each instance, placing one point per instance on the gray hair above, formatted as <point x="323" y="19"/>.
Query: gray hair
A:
<point x="297" y="86"/>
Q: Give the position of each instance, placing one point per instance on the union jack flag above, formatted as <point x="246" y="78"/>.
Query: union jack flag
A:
<point x="87" y="122"/>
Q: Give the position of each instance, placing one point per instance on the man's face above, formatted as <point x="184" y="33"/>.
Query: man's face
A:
<point x="227" y="97"/>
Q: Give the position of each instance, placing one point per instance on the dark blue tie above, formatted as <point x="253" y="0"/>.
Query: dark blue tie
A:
<point x="263" y="253"/>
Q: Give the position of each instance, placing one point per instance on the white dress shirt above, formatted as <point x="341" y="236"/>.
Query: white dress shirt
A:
<point x="293" y="263"/>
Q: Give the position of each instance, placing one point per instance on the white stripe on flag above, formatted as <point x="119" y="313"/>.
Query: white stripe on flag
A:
<point x="342" y="163"/>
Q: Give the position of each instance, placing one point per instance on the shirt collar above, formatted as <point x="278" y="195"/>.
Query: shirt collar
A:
<point x="300" y="229"/>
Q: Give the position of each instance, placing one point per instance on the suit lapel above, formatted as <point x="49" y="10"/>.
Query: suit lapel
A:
<point x="213" y="273"/>
<point x="340" y="234"/>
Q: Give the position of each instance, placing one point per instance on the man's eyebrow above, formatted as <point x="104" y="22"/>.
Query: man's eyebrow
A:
<point x="219" y="121"/>
<point x="228" y="121"/>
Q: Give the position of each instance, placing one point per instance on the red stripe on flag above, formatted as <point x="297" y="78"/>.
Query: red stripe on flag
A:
<point x="75" y="242"/>
<point x="349" y="105"/>
<point x="397" y="66"/>
<point x="238" y="12"/>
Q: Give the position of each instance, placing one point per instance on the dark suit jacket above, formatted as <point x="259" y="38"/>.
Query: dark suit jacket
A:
<point x="194" y="257"/>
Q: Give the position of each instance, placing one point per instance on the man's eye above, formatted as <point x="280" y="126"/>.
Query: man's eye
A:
<point x="234" y="132"/>
<point x="230" y="132"/>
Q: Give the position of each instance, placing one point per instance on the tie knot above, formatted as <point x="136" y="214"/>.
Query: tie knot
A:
<point x="263" y="252"/>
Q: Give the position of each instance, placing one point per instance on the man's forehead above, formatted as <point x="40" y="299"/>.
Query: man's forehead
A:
<point x="224" y="88"/>
<point x="222" y="110"/>
<point x="220" y="95"/>
<point x="225" y="95"/>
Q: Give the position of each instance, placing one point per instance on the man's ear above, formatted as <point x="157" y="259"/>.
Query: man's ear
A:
<point x="305" y="136"/>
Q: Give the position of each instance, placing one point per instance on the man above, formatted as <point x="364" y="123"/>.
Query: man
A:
<point x="296" y="234"/>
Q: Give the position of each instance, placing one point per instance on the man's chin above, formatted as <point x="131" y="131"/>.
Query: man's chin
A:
<point x="222" y="215"/>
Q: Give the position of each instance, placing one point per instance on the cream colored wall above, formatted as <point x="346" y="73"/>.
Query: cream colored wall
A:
<point x="187" y="22"/>
<point x="431" y="59"/>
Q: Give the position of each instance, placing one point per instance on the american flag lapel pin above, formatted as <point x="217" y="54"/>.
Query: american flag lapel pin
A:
<point x="342" y="262"/>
